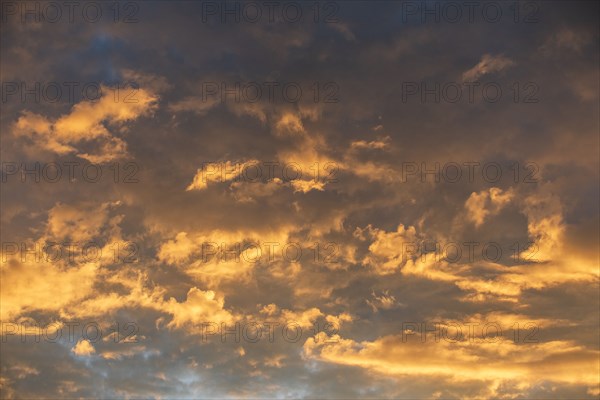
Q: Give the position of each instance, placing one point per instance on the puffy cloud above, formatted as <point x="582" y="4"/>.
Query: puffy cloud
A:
<point x="176" y="250"/>
<point x="43" y="286"/>
<point x="484" y="204"/>
<point x="87" y="121"/>
<point x="289" y="124"/>
<point x="76" y="222"/>
<point x="83" y="348"/>
<point x="200" y="307"/>
<point x="389" y="250"/>
<point x="305" y="186"/>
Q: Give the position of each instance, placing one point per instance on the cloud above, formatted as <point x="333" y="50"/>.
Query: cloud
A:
<point x="194" y="104"/>
<point x="388" y="251"/>
<point x="499" y="361"/>
<point x="565" y="38"/>
<point x="382" y="144"/>
<point x="83" y="348"/>
<point x="220" y="172"/>
<point x="289" y="124"/>
<point x="344" y="29"/>
<point x="199" y="307"/>
<point x="485" y="204"/>
<point x="305" y="186"/>
<point x="488" y="64"/>
<point x="350" y="205"/>
<point x="89" y="121"/>
<point x="384" y="302"/>
<point x="250" y="192"/>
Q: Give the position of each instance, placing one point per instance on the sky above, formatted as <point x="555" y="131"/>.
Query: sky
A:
<point x="345" y="199"/>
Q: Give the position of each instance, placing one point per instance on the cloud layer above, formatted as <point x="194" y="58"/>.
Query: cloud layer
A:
<point x="363" y="203"/>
